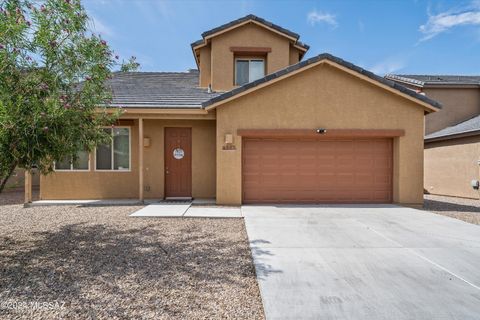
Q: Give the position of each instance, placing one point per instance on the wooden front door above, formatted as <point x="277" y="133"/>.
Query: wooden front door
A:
<point x="178" y="162"/>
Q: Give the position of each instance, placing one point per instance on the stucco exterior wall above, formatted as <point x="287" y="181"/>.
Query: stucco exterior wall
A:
<point x="205" y="67"/>
<point x="110" y="185"/>
<point x="294" y="55"/>
<point x="326" y="97"/>
<point x="249" y="35"/>
<point x="458" y="104"/>
<point x="450" y="166"/>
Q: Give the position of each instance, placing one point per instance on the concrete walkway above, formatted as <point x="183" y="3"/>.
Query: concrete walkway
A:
<point x="163" y="209"/>
<point x="364" y="262"/>
<point x="187" y="210"/>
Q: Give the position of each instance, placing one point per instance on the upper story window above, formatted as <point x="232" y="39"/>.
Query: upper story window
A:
<point x="248" y="70"/>
<point x="81" y="163"/>
<point x="116" y="154"/>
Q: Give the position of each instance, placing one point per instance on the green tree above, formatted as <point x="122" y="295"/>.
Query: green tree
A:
<point x="53" y="84"/>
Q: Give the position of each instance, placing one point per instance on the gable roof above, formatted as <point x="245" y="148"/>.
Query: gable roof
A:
<point x="250" y="17"/>
<point x="158" y="90"/>
<point x="435" y="80"/>
<point x="254" y="18"/>
<point x="419" y="98"/>
<point x="180" y="90"/>
<point x="468" y="127"/>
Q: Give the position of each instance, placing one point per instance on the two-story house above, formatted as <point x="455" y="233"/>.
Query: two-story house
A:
<point x="256" y="123"/>
<point x="452" y="136"/>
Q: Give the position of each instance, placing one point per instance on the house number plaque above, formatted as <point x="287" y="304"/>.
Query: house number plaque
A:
<point x="178" y="153"/>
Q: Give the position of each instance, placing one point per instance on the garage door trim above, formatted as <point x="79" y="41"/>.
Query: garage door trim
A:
<point x="329" y="133"/>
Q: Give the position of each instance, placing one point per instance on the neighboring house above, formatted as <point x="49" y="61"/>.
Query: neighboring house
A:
<point x="256" y="124"/>
<point x="452" y="141"/>
<point x="17" y="180"/>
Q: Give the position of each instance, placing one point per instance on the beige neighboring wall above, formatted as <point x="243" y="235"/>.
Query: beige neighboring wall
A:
<point x="458" y="105"/>
<point x="451" y="165"/>
<point x="323" y="97"/>
<point x="17" y="179"/>
<point x="116" y="184"/>
<point x="248" y="35"/>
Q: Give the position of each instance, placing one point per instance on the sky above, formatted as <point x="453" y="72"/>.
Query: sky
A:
<point x="403" y="36"/>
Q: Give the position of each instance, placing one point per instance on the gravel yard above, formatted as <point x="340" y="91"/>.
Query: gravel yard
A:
<point x="463" y="209"/>
<point x="96" y="262"/>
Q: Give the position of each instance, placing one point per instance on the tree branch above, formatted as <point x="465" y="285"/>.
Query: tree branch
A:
<point x="7" y="176"/>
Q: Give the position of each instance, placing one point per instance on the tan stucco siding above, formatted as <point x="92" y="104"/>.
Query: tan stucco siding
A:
<point x="249" y="35"/>
<point x="94" y="184"/>
<point x="294" y="55"/>
<point x="111" y="185"/>
<point x="205" y="67"/>
<point x="451" y="165"/>
<point x="458" y="104"/>
<point x="326" y="97"/>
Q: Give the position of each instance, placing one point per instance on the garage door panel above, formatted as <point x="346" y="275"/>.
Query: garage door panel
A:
<point x="364" y="181"/>
<point x="383" y="179"/>
<point x="317" y="171"/>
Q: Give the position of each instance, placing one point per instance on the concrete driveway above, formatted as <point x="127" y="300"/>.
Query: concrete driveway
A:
<point x="364" y="262"/>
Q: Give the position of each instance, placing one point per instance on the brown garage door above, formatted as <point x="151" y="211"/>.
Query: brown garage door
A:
<point x="317" y="171"/>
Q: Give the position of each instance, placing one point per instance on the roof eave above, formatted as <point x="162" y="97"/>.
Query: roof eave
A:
<point x="451" y="85"/>
<point x="459" y="135"/>
<point x="245" y="20"/>
<point x="149" y="105"/>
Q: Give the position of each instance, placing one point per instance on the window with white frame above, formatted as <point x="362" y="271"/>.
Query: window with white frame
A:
<point x="116" y="154"/>
<point x="81" y="163"/>
<point x="248" y="70"/>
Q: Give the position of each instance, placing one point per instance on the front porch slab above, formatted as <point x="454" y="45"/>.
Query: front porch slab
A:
<point x="163" y="209"/>
<point x="213" y="212"/>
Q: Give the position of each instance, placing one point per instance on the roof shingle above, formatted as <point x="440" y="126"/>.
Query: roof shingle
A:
<point x="469" y="126"/>
<point x="158" y="90"/>
<point x="253" y="17"/>
<point x="422" y="80"/>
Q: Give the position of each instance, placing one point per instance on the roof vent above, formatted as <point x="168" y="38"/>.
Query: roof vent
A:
<point x="209" y="89"/>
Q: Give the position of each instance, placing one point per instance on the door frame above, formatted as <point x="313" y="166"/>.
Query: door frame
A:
<point x="165" y="196"/>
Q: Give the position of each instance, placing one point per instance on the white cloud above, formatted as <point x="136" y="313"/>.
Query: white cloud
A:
<point x="99" y="27"/>
<point x="444" y="21"/>
<point x="389" y="65"/>
<point x="314" y="17"/>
